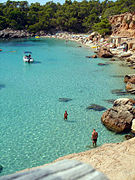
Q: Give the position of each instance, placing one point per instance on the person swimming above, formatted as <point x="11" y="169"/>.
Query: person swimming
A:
<point x="65" y="115"/>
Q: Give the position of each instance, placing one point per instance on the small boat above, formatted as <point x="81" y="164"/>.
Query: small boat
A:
<point x="36" y="37"/>
<point x="27" y="57"/>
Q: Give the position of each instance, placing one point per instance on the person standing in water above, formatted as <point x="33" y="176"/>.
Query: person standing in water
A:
<point x="94" y="137"/>
<point x="65" y="115"/>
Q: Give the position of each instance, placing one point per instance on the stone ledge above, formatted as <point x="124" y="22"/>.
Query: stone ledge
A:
<point x="61" y="170"/>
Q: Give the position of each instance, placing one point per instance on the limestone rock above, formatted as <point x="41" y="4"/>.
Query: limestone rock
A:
<point x="120" y="116"/>
<point x="9" y="33"/>
<point x="105" y="53"/>
<point x="123" y="25"/>
<point x="130" y="78"/>
<point x="130" y="88"/>
<point x="116" y="160"/>
<point x="133" y="126"/>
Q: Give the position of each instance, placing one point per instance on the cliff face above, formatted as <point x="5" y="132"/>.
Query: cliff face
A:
<point x="123" y="25"/>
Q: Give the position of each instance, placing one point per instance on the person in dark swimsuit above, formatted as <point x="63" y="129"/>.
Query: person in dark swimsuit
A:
<point x="94" y="137"/>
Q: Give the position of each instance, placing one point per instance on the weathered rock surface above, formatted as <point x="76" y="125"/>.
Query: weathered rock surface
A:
<point x="123" y="25"/>
<point x="116" y="160"/>
<point x="62" y="170"/>
<point x="129" y="136"/>
<point x="130" y="88"/>
<point x="119" y="117"/>
<point x="133" y="126"/>
<point x="104" y="53"/>
<point x="130" y="83"/>
<point x="130" y="78"/>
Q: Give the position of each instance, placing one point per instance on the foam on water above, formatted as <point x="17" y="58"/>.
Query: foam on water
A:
<point x="32" y="129"/>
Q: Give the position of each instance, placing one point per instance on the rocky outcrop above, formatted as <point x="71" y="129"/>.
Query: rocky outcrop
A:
<point x="115" y="160"/>
<point x="133" y="126"/>
<point x="104" y="53"/>
<point x="123" y="25"/>
<point x="119" y="117"/>
<point x="130" y="83"/>
<point x="9" y="33"/>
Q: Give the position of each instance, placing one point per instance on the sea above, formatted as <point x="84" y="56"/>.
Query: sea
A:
<point x="34" y="97"/>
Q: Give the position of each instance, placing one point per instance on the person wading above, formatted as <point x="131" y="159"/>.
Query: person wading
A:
<point x="94" y="137"/>
<point x="65" y="115"/>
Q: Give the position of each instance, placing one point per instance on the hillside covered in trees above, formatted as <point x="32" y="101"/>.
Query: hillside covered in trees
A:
<point x="72" y="16"/>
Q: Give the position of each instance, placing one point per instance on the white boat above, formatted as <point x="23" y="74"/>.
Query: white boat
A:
<point x="27" y="57"/>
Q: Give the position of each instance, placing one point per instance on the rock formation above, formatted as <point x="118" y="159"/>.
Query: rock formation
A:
<point x="133" y="126"/>
<point x="9" y="33"/>
<point x="119" y="117"/>
<point x="104" y="53"/>
<point x="123" y="25"/>
<point x="117" y="161"/>
<point x="130" y="83"/>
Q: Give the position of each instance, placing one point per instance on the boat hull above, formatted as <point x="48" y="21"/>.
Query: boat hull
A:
<point x="26" y="59"/>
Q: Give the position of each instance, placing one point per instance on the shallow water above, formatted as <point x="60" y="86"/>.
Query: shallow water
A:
<point x="33" y="131"/>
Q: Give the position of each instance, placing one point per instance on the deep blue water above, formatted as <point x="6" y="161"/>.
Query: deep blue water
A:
<point x="32" y="129"/>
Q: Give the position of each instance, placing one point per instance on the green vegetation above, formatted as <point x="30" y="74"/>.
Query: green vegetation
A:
<point x="71" y="16"/>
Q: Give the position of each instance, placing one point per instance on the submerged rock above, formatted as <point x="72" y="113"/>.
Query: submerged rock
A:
<point x="119" y="92"/>
<point x="110" y="100"/>
<point x="1" y="168"/>
<point x="117" y="76"/>
<point x="102" y="64"/>
<point x="96" y="107"/>
<point x="64" y="99"/>
<point x="2" y="86"/>
<point x="88" y="56"/>
<point x="119" y="117"/>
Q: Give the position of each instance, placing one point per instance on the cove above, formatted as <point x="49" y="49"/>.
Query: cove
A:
<point x="34" y="97"/>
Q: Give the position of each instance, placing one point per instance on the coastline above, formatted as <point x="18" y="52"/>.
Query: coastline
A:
<point x="115" y="160"/>
<point x="83" y="44"/>
<point x="97" y="44"/>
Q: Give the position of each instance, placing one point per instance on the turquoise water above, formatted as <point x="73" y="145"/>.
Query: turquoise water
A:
<point x="32" y="129"/>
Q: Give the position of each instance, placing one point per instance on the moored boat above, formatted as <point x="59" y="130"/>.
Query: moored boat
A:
<point x="27" y="57"/>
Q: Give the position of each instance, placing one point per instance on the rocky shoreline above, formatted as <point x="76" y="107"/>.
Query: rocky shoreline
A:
<point x="115" y="160"/>
<point x="109" y="158"/>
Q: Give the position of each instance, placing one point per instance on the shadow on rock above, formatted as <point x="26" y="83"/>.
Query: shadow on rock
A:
<point x="2" y="86"/>
<point x="119" y="92"/>
<point x="64" y="99"/>
<point x="96" y="107"/>
<point x="129" y="136"/>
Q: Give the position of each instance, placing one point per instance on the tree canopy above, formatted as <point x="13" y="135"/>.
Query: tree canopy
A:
<point x="72" y="16"/>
